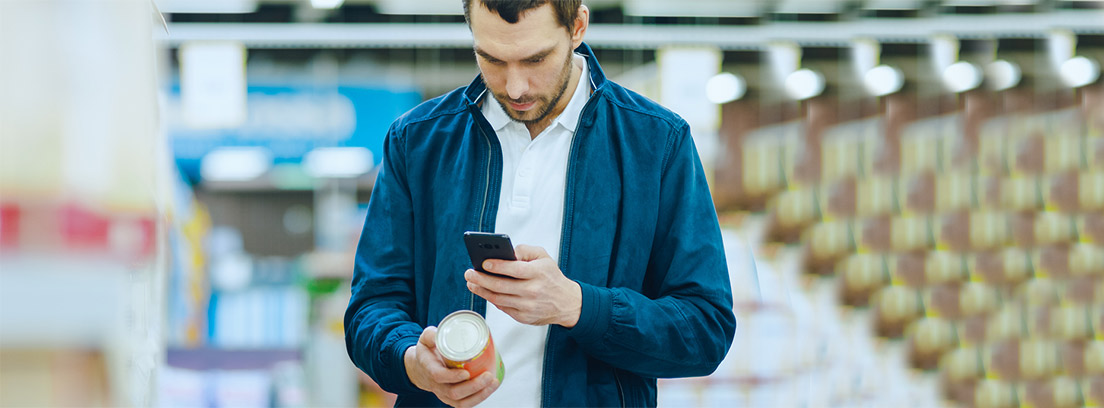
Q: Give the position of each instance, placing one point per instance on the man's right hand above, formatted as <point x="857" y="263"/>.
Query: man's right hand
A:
<point x="451" y="385"/>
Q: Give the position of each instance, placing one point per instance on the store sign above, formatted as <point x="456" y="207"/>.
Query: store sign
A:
<point x="291" y="121"/>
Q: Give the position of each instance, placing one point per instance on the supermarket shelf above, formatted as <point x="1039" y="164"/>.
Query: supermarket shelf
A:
<point x="268" y="183"/>
<point x="433" y="35"/>
<point x="329" y="265"/>
<point x="229" y="359"/>
<point x="77" y="228"/>
<point x="60" y="301"/>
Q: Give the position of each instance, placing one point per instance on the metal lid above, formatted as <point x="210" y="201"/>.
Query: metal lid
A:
<point x="462" y="335"/>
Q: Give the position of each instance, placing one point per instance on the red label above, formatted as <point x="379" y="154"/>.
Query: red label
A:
<point x="9" y="225"/>
<point x="83" y="229"/>
<point x="485" y="361"/>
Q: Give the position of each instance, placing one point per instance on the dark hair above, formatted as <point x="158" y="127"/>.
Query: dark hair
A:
<point x="511" y="10"/>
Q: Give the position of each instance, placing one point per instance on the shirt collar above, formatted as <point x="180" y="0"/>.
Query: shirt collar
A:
<point x="570" y="115"/>
<point x="498" y="119"/>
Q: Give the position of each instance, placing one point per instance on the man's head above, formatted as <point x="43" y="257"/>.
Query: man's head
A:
<point x="524" y="50"/>
<point x="510" y="10"/>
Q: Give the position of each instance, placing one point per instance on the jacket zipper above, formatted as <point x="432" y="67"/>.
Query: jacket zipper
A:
<point x="486" y="196"/>
<point x="563" y="233"/>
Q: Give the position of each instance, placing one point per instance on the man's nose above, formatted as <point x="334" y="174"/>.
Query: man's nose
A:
<point x="516" y="84"/>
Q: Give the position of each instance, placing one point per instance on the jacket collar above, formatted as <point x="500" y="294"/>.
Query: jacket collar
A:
<point x="477" y="89"/>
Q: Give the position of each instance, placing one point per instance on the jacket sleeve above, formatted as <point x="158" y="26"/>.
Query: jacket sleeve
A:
<point x="379" y="323"/>
<point x="686" y="327"/>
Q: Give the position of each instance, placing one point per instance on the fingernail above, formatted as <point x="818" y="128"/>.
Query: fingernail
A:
<point x="471" y="286"/>
<point x="487" y="265"/>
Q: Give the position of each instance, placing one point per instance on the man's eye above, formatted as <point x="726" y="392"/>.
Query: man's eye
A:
<point x="535" y="60"/>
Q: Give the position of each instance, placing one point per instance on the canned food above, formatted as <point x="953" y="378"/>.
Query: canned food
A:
<point x="464" y="341"/>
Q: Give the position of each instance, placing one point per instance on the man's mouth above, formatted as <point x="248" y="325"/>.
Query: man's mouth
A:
<point x="522" y="106"/>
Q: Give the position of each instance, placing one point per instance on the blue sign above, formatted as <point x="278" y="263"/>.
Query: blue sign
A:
<point x="293" y="120"/>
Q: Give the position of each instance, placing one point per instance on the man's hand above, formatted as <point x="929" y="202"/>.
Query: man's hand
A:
<point x="538" y="294"/>
<point x="451" y="385"/>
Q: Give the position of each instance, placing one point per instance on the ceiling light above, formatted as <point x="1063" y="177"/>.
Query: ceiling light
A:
<point x="206" y="6"/>
<point x="235" y="163"/>
<point x="961" y="76"/>
<point x="338" y="162"/>
<point x="883" y="80"/>
<point x="424" y="7"/>
<point x="1002" y="75"/>
<point x="804" y="84"/>
<point x="724" y="88"/>
<point x="326" y="4"/>
<point x="1079" y="71"/>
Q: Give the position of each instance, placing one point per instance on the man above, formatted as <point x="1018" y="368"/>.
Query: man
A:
<point x="620" y="277"/>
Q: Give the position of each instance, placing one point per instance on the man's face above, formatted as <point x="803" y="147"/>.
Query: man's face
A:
<point x="526" y="65"/>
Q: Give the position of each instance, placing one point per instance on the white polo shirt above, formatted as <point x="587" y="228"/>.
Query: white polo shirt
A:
<point x="530" y="210"/>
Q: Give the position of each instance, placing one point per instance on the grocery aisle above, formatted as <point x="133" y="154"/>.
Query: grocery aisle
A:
<point x="910" y="192"/>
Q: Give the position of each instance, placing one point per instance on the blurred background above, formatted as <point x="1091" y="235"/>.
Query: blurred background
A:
<point x="911" y="191"/>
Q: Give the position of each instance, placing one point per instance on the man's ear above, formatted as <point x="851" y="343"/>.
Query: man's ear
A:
<point x="579" y="28"/>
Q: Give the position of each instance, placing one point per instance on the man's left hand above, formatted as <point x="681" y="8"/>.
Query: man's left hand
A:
<point x="534" y="290"/>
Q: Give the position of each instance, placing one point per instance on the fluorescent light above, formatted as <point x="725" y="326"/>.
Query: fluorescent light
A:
<point x="1002" y="75"/>
<point x="724" y="88"/>
<point x="804" y="84"/>
<point x="235" y="163"/>
<point x="207" y="6"/>
<point x="962" y="76"/>
<point x="696" y="8"/>
<point x="893" y="5"/>
<point x="338" y="162"/>
<point x="969" y="3"/>
<point x="424" y="7"/>
<point x="326" y="4"/>
<point x="883" y="80"/>
<point x="1079" y="71"/>
<point x="804" y="6"/>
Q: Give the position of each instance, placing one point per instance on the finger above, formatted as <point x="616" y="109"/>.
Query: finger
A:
<point x="482" y="393"/>
<point x="438" y="371"/>
<point x="513" y="269"/>
<point x="428" y="337"/>
<point x="478" y="278"/>
<point x="442" y="374"/>
<point x="433" y="364"/>
<point x="493" y="283"/>
<point x="498" y="299"/>
<point x="530" y="253"/>
<point x="464" y="392"/>
<point x="503" y="267"/>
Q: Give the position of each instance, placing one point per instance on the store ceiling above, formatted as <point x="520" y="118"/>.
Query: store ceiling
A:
<point x="629" y="24"/>
<point x="648" y="8"/>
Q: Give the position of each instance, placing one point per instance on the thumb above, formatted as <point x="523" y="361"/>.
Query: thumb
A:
<point x="429" y="337"/>
<point x="530" y="253"/>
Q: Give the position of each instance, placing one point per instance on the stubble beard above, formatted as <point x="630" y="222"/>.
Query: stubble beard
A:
<point x="546" y="104"/>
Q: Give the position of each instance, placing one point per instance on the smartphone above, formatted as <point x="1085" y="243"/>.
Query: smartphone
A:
<point x="485" y="245"/>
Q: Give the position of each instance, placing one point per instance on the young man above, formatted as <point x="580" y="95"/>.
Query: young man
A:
<point x="620" y="277"/>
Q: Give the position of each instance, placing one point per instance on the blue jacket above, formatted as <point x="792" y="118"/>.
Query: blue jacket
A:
<point x="640" y="236"/>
